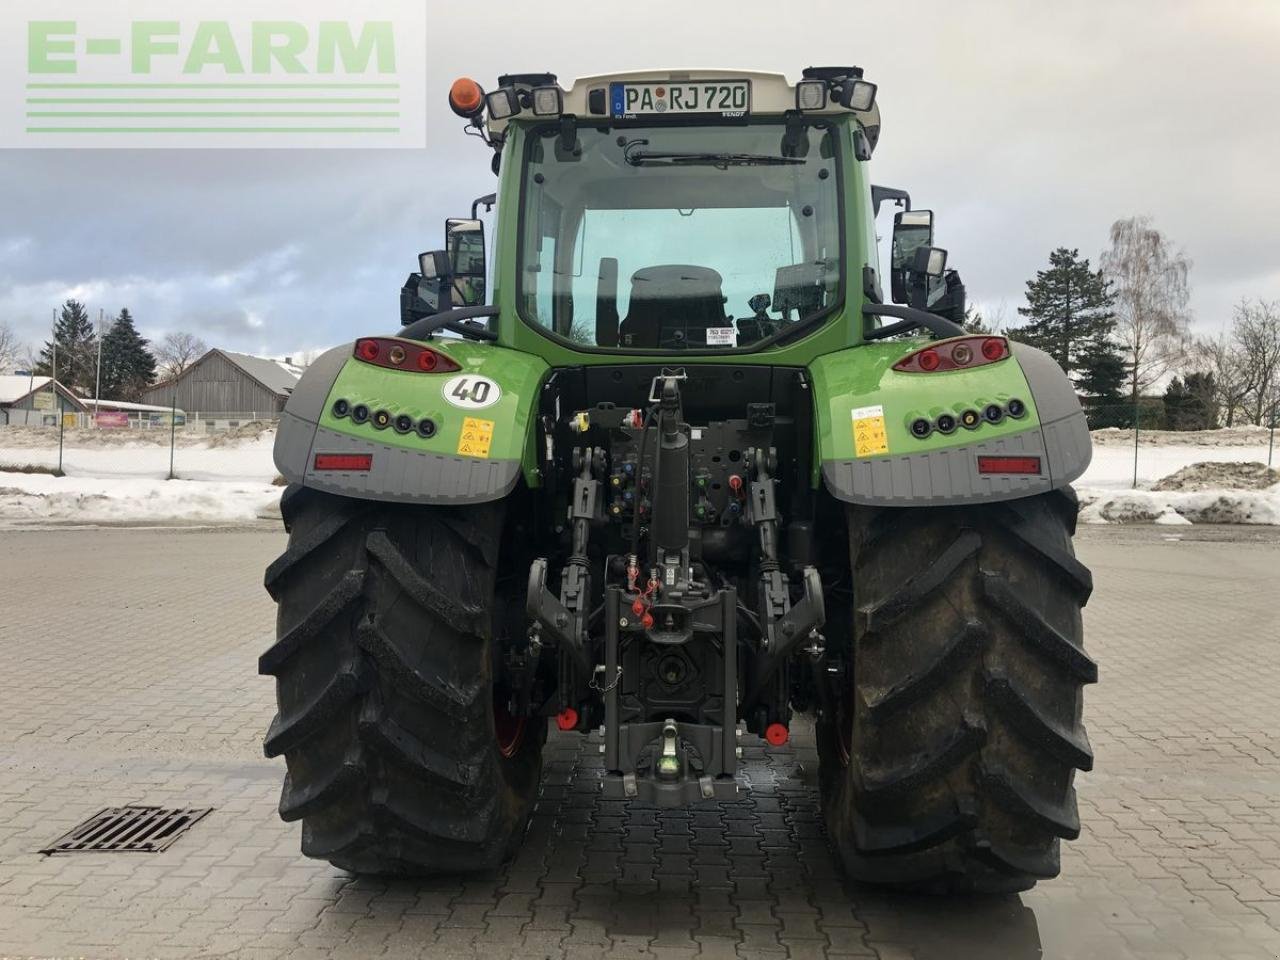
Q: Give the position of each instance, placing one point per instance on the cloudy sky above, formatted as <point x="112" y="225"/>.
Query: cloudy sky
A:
<point x="1024" y="125"/>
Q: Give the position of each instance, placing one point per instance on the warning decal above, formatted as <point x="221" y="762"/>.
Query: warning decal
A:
<point x="475" y="437"/>
<point x="869" y="438"/>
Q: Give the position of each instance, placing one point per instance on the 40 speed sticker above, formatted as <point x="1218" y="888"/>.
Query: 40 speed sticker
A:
<point x="471" y="392"/>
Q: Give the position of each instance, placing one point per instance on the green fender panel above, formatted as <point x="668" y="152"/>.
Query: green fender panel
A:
<point x="482" y="415"/>
<point x="867" y="453"/>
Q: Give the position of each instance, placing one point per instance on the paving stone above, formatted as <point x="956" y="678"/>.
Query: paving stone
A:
<point x="1179" y="857"/>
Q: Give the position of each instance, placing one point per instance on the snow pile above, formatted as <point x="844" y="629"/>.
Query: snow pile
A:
<point x="39" y="498"/>
<point x="1235" y="491"/>
<point x="1205" y="506"/>
<point x="1216" y="475"/>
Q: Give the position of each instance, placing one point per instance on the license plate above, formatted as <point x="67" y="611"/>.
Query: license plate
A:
<point x="724" y="98"/>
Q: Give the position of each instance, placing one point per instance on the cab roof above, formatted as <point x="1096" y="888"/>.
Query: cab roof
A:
<point x="772" y="94"/>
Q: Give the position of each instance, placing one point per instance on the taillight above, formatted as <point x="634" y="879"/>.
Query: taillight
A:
<point x="403" y="355"/>
<point x="995" y="348"/>
<point x="344" y="461"/>
<point x="961" y="353"/>
<point x="1018" y="465"/>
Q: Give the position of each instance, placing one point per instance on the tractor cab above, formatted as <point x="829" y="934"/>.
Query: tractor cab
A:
<point x="683" y="211"/>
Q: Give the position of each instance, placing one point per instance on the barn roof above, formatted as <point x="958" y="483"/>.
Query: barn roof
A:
<point x="14" y="388"/>
<point x="275" y="375"/>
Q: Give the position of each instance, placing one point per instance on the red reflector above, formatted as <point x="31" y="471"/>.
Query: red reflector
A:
<point x="567" y="719"/>
<point x="367" y="350"/>
<point x="1009" y="465"/>
<point x="929" y="360"/>
<point x="344" y="461"/>
<point x="777" y="734"/>
<point x="427" y="360"/>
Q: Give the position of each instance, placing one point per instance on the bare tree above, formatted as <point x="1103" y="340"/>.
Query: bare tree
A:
<point x="1256" y="331"/>
<point x="176" y="352"/>
<point x="1150" y="280"/>
<point x="1232" y="374"/>
<point x="10" y="348"/>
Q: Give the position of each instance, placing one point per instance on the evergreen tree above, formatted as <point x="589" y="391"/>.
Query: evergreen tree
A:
<point x="1100" y="382"/>
<point x="974" y="323"/>
<point x="1189" y="403"/>
<point x="77" y="349"/>
<point x="1068" y="308"/>
<point x="128" y="367"/>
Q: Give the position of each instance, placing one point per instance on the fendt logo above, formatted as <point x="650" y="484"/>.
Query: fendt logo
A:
<point x="263" y="74"/>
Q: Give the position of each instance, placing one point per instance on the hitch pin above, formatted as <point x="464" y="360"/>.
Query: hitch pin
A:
<point x="668" y="762"/>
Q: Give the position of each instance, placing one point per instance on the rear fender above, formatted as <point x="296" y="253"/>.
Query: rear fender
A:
<point x="480" y="440"/>
<point x="868" y="454"/>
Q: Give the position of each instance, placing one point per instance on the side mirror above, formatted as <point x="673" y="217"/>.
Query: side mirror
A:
<point x="912" y="229"/>
<point x="464" y="241"/>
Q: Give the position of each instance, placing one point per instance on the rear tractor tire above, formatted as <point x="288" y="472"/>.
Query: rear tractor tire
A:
<point x="401" y="759"/>
<point x="949" y="762"/>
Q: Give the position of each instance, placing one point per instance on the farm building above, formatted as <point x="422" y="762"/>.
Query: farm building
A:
<point x="29" y="401"/>
<point x="223" y="385"/>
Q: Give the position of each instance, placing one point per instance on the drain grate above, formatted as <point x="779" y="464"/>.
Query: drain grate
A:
<point x="128" y="829"/>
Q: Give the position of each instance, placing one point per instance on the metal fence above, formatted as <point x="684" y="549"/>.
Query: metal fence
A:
<point x="138" y="420"/>
<point x="1155" y="439"/>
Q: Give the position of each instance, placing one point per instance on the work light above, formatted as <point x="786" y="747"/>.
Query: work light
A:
<point x="503" y="104"/>
<point x="858" y="95"/>
<point x="811" y="94"/>
<point x="547" y="101"/>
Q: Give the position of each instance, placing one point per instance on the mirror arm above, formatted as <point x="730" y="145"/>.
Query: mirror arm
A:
<point x="487" y="201"/>
<point x="909" y="318"/>
<point x="880" y="194"/>
<point x="452" y="320"/>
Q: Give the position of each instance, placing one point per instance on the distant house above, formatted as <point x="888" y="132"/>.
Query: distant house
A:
<point x="225" y="385"/>
<point x="34" y="401"/>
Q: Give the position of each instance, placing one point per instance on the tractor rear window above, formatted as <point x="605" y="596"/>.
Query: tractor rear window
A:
<point x="679" y="237"/>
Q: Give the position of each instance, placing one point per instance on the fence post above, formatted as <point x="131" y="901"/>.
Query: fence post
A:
<point x="1271" y="439"/>
<point x="1137" y="425"/>
<point x="173" y="428"/>
<point x="62" y="423"/>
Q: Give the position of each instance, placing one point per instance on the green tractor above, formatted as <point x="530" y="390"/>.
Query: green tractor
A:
<point x="686" y="474"/>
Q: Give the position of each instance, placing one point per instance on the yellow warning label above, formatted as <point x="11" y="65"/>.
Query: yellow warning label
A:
<point x="869" y="437"/>
<point x="475" y="437"/>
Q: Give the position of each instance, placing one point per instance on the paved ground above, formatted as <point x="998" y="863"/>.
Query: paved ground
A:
<point x="128" y="676"/>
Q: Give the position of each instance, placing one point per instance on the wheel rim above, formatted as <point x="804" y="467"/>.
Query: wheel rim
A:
<point x="508" y="730"/>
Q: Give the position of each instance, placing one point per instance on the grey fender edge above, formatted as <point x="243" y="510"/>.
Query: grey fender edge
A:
<point x="397" y="475"/>
<point x="942" y="477"/>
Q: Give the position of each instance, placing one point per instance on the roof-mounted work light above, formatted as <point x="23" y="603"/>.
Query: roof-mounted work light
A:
<point x="503" y="103"/>
<point x="547" y="101"/>
<point x="858" y="94"/>
<point x="811" y="94"/>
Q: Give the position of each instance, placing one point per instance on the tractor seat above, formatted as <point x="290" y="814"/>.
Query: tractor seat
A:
<point x="672" y="306"/>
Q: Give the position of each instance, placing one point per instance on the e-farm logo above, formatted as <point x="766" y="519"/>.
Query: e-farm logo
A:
<point x="262" y="74"/>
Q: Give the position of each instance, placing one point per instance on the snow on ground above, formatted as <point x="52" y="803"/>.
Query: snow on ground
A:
<point x="1107" y="494"/>
<point x="143" y="453"/>
<point x="40" y="498"/>
<point x="120" y="477"/>
<point x="115" y="477"/>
